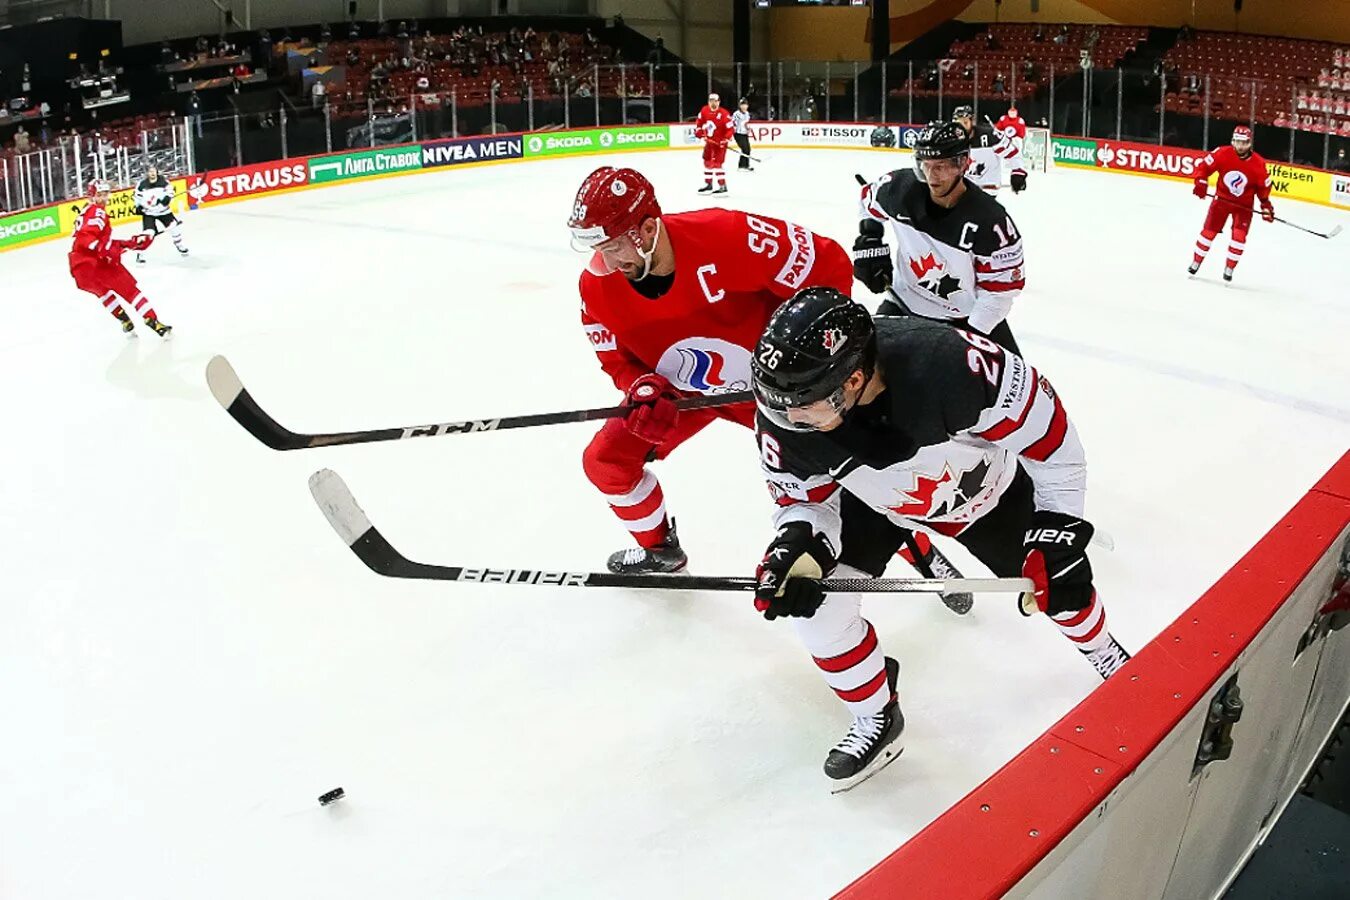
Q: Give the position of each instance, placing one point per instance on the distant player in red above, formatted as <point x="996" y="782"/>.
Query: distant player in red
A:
<point x="1242" y="176"/>
<point x="673" y="305"/>
<point x="1012" y="126"/>
<point x="96" y="263"/>
<point x="715" y="127"/>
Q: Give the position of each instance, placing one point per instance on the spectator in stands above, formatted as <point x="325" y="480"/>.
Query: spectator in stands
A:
<point x="999" y="88"/>
<point x="656" y="55"/>
<point x="1029" y="69"/>
<point x="354" y="32"/>
<point x="195" y="110"/>
<point x="1062" y="37"/>
<point x="968" y="73"/>
<point x="22" y="143"/>
<point x="1039" y="35"/>
<point x="990" y="40"/>
<point x="44" y="135"/>
<point x="1341" y="163"/>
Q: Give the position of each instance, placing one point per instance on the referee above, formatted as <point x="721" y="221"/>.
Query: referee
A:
<point x="740" y="121"/>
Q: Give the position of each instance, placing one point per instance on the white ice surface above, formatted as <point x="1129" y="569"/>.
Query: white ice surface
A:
<point x="189" y="656"/>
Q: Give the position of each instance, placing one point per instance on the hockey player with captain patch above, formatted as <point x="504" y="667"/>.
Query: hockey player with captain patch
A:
<point x="958" y="253"/>
<point x="673" y="305"/>
<point x="868" y="428"/>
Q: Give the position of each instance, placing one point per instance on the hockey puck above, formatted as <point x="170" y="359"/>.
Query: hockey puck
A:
<point x="336" y="793"/>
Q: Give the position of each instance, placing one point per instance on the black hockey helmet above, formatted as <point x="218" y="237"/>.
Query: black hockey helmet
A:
<point x="882" y="136"/>
<point x="940" y="140"/>
<point x="963" y="112"/>
<point x="810" y="347"/>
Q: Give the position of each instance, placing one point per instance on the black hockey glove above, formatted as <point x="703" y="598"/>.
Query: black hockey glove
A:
<point x="1056" y="561"/>
<point x="789" y="575"/>
<point x="872" y="257"/>
<point x="137" y="211"/>
<point x="1019" y="182"/>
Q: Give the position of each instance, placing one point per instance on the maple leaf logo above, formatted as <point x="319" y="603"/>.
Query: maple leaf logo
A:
<point x="833" y="340"/>
<point x="933" y="277"/>
<point x="939" y="495"/>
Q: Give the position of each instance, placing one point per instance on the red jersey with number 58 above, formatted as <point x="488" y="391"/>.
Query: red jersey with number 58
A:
<point x="1239" y="179"/>
<point x="92" y="235"/>
<point x="732" y="270"/>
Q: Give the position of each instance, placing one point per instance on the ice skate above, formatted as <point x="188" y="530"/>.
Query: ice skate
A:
<point x="1107" y="659"/>
<point x="1193" y="268"/>
<point x="1228" y="274"/>
<point x="721" y="190"/>
<point x="128" y="326"/>
<point x="872" y="743"/>
<point x="663" y="559"/>
<point x="158" y="327"/>
<point x="706" y="189"/>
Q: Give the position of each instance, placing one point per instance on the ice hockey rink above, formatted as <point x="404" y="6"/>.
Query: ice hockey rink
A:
<point x="189" y="655"/>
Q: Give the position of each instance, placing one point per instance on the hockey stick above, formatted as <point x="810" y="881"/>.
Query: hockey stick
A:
<point x="371" y="547"/>
<point x="1328" y="235"/>
<point x="230" y="393"/>
<point x="741" y="152"/>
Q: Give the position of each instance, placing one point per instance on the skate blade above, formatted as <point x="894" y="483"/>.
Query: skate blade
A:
<point x="958" y="603"/>
<point x="888" y="756"/>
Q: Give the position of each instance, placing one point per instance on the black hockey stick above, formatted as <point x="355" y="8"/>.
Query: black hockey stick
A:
<point x="1330" y="234"/>
<point x="371" y="547"/>
<point x="230" y="393"/>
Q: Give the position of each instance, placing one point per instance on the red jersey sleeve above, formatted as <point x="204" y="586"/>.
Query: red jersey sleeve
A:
<point x="728" y="129"/>
<point x="621" y="366"/>
<point x="1261" y="178"/>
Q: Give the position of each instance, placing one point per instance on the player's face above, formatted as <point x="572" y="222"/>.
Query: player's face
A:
<point x="1243" y="147"/>
<point x="713" y="103"/>
<point x="826" y="414"/>
<point x="620" y="254"/>
<point x="965" y="122"/>
<point x="942" y="175"/>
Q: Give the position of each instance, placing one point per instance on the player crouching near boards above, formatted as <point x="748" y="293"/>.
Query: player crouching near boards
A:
<point x="96" y="263"/>
<point x="958" y="255"/>
<point x="1242" y="176"/>
<point x="867" y="428"/>
<point x="154" y="203"/>
<point x="673" y="304"/>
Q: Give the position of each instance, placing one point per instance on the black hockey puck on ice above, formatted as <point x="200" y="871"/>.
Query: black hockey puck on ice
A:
<point x="336" y="793"/>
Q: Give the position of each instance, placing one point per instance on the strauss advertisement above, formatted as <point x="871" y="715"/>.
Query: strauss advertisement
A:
<point x="1148" y="158"/>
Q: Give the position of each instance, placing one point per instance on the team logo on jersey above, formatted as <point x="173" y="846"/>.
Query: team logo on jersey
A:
<point x="706" y="366"/>
<point x="1236" y="182"/>
<point x="932" y="276"/>
<point x="939" y="495"/>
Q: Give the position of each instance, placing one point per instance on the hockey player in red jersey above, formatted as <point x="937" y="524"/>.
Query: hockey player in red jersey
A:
<point x="1242" y="176"/>
<point x="96" y="263"/>
<point x="1012" y="126"/>
<point x="672" y="305"/>
<point x="715" y="127"/>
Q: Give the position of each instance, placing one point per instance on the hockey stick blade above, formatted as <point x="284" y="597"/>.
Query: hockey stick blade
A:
<point x="351" y="523"/>
<point x="231" y="394"/>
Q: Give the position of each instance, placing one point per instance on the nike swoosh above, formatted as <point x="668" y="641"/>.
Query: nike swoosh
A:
<point x="834" y="473"/>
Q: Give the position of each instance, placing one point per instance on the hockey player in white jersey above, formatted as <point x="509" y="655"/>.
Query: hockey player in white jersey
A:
<point x="990" y="151"/>
<point x="867" y="429"/>
<point x="958" y="254"/>
<point x="154" y="201"/>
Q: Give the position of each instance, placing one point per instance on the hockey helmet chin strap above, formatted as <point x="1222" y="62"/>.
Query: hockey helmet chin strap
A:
<point x="647" y="256"/>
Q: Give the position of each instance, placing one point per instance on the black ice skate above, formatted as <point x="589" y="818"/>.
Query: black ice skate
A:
<point x="871" y="744"/>
<point x="157" y="326"/>
<point x="721" y="190"/>
<point x="1228" y="274"/>
<point x="1193" y="267"/>
<point x="935" y="565"/>
<point x="128" y="326"/>
<point x="663" y="559"/>
<point x="1108" y="658"/>
<point x="706" y="189"/>
<point x="182" y="251"/>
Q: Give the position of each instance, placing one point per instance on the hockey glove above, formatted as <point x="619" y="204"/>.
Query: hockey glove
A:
<point x="137" y="210"/>
<point x="654" y="414"/>
<point x="789" y="575"/>
<point x="1201" y="188"/>
<point x="1267" y="211"/>
<point x="872" y="257"/>
<point x="1019" y="182"/>
<point x="141" y="241"/>
<point x="1056" y="561"/>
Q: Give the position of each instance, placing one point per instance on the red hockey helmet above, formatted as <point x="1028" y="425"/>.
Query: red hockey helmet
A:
<point x="1242" y="133"/>
<point x="96" y="187"/>
<point x="611" y="203"/>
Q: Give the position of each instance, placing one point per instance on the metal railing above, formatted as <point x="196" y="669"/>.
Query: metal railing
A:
<point x="1142" y="105"/>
